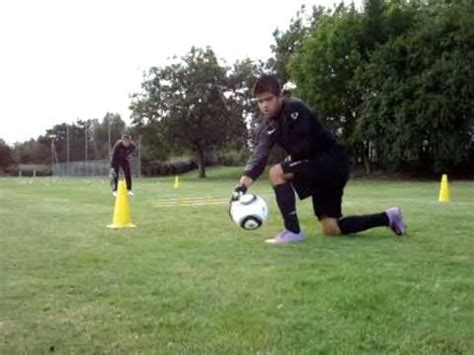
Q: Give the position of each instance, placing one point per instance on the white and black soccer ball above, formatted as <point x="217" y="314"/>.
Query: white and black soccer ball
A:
<point x="249" y="211"/>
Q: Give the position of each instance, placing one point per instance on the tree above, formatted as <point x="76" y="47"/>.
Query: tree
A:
<point x="324" y="66"/>
<point x="420" y="89"/>
<point x="75" y="135"/>
<point x="241" y="79"/>
<point x="59" y="135"/>
<point x="111" y="123"/>
<point x="6" y="156"/>
<point x="33" y="151"/>
<point x="186" y="102"/>
<point x="286" y="43"/>
<point x="330" y="64"/>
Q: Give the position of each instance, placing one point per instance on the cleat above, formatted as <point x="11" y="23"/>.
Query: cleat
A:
<point x="114" y="193"/>
<point x="130" y="193"/>
<point x="286" y="237"/>
<point x="396" y="222"/>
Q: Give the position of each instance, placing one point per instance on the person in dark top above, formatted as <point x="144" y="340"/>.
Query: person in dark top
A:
<point x="316" y="167"/>
<point x="121" y="155"/>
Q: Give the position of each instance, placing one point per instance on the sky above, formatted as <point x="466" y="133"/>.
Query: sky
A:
<point x="61" y="60"/>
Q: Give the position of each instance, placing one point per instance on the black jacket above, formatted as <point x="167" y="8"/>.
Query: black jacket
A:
<point x="296" y="129"/>
<point x="121" y="153"/>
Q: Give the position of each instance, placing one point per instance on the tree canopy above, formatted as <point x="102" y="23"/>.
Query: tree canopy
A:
<point x="393" y="81"/>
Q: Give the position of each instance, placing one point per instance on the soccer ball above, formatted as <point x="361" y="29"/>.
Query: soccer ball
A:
<point x="249" y="212"/>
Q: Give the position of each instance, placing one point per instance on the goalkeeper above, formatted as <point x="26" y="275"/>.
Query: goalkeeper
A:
<point x="121" y="155"/>
<point x="318" y="168"/>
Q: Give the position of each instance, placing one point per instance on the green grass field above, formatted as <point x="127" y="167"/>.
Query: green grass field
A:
<point x="188" y="281"/>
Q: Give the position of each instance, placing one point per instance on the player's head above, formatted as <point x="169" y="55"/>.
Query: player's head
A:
<point x="267" y="91"/>
<point x="126" y="139"/>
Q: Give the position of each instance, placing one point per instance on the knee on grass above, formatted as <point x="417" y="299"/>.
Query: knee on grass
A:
<point x="330" y="227"/>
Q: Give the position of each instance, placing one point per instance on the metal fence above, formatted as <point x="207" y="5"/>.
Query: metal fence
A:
<point x="91" y="168"/>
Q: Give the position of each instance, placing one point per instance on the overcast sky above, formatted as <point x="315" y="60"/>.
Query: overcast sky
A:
<point x="61" y="60"/>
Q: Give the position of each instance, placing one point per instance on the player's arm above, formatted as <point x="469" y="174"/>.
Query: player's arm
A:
<point x="245" y="181"/>
<point x="257" y="162"/>
<point x="115" y="151"/>
<point x="241" y="188"/>
<point x="113" y="161"/>
<point x="130" y="150"/>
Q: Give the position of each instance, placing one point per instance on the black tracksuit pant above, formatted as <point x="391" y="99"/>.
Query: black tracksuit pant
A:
<point x="125" y="165"/>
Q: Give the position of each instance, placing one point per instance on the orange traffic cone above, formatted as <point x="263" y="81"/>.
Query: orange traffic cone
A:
<point x="122" y="215"/>
<point x="444" y="195"/>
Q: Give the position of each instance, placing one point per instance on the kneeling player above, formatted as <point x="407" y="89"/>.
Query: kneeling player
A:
<point x="318" y="168"/>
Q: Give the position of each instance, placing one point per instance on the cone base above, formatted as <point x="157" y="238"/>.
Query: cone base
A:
<point x="116" y="226"/>
<point x="444" y="196"/>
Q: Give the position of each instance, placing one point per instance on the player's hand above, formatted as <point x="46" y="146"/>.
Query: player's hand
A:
<point x="238" y="191"/>
<point x="112" y="177"/>
<point x="112" y="173"/>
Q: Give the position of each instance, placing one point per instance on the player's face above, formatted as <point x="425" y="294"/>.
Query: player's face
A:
<point x="126" y="142"/>
<point x="269" y="104"/>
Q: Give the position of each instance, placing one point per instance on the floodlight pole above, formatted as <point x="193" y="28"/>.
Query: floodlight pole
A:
<point x="85" y="140"/>
<point x="108" y="132"/>
<point x="54" y="156"/>
<point x="139" y="163"/>
<point x="67" y="149"/>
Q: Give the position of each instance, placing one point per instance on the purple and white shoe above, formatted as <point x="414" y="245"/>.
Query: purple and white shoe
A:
<point x="396" y="222"/>
<point x="286" y="237"/>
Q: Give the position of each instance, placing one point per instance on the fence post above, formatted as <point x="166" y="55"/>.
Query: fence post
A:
<point x="139" y="163"/>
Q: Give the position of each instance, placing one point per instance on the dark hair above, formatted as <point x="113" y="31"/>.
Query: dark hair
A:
<point x="126" y="136"/>
<point x="267" y="83"/>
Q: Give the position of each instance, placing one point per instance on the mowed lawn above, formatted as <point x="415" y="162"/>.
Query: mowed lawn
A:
<point x="188" y="281"/>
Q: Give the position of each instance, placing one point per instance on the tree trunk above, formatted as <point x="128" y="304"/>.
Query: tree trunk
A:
<point x="202" y="168"/>
<point x="367" y="164"/>
<point x="366" y="158"/>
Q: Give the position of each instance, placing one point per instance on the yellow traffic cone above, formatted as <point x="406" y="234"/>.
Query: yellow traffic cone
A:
<point x="122" y="215"/>
<point x="444" y="195"/>
<point x="176" y="182"/>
